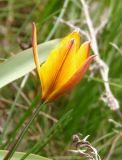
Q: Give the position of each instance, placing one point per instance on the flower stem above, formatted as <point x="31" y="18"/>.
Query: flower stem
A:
<point x="22" y="133"/>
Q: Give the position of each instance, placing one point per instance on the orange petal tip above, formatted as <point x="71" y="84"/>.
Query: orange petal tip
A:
<point x="87" y="43"/>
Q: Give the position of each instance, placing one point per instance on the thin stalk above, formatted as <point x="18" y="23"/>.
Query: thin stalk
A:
<point x="22" y="133"/>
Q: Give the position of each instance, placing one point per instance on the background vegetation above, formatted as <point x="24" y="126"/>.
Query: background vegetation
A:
<point x="80" y="111"/>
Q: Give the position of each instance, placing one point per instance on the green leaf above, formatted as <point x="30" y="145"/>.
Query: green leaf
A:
<point x="23" y="63"/>
<point x="18" y="156"/>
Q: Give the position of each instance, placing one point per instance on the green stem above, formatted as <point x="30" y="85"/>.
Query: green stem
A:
<point x="22" y="133"/>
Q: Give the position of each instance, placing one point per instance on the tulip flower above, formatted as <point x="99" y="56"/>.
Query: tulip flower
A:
<point x="64" y="67"/>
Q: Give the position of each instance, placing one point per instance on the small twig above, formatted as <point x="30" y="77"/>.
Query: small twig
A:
<point x="25" y="108"/>
<point x="48" y="116"/>
<point x="119" y="135"/>
<point x="84" y="148"/>
<point x="21" y="92"/>
<point x="3" y="59"/>
<point x="10" y="102"/>
<point x="106" y="136"/>
<point x="103" y="68"/>
<point x="82" y="32"/>
<point x="10" y="16"/>
<point x="101" y="26"/>
<point x="117" y="124"/>
<point x="116" y="47"/>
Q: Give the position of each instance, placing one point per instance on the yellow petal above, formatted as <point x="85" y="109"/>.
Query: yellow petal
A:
<point x="73" y="80"/>
<point x="83" y="53"/>
<point x="51" y="70"/>
<point x="74" y="35"/>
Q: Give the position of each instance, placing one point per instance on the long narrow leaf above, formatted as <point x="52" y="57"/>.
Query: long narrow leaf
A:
<point x="18" y="155"/>
<point x="23" y="63"/>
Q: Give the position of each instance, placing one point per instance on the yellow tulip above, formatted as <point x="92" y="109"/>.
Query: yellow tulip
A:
<point x="64" y="67"/>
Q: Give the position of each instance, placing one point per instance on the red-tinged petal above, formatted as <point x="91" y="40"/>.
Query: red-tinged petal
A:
<point x="53" y="66"/>
<point x="54" y="71"/>
<point x="75" y="79"/>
